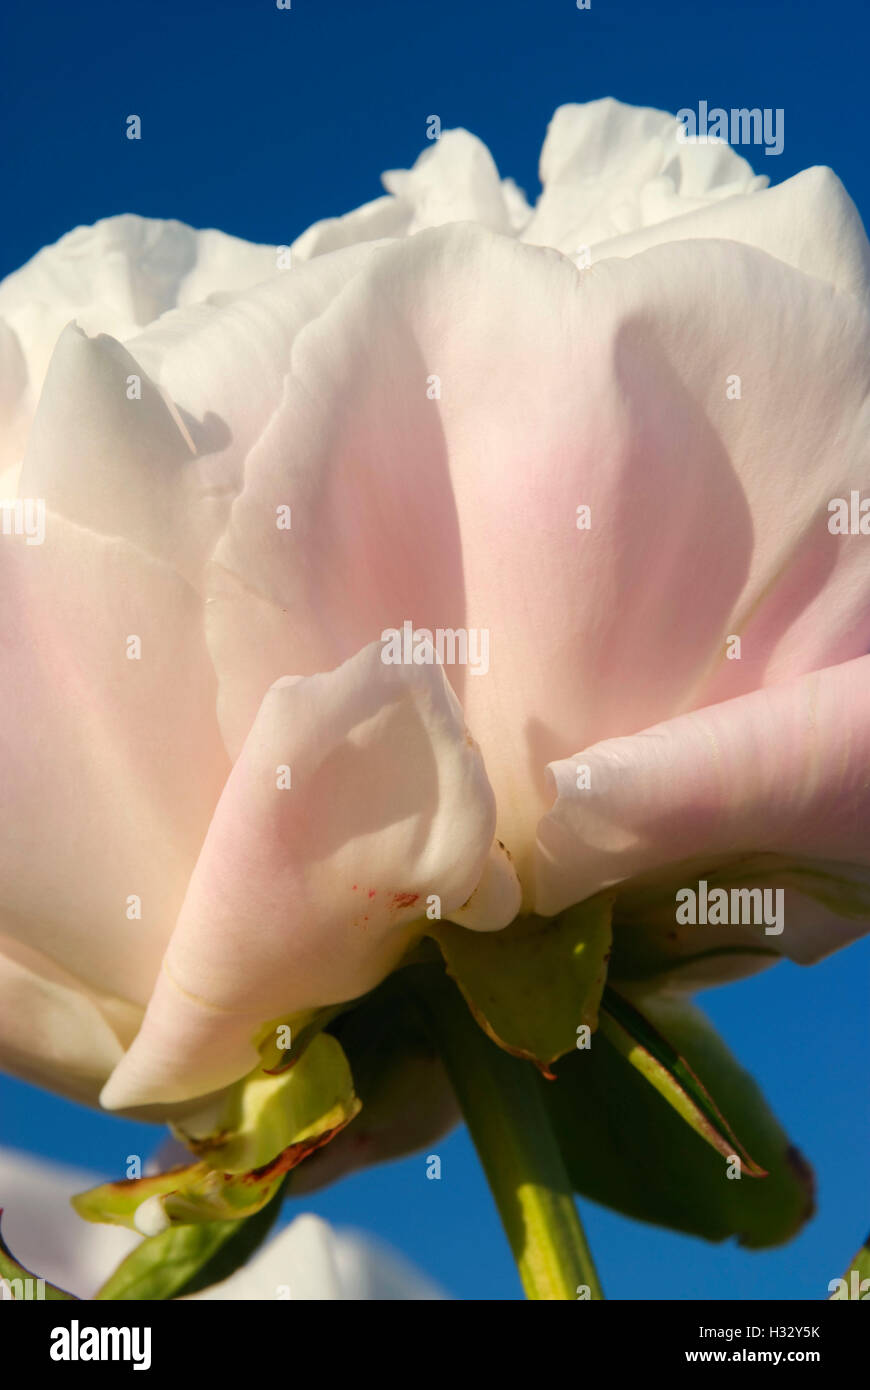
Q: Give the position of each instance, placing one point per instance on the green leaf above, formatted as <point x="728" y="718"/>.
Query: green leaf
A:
<point x="532" y="985"/>
<point x="184" y="1259"/>
<point x="17" y="1276"/>
<point x="625" y="1147"/>
<point x="638" y="1041"/>
<point x="248" y="1140"/>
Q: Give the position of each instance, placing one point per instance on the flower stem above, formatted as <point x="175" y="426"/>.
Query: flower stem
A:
<point x="501" y="1100"/>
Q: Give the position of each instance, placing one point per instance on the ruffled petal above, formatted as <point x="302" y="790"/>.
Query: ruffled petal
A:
<point x="490" y="391"/>
<point x="809" y="222"/>
<point x="358" y="795"/>
<point x="54" y="1030"/>
<point x="119" y="275"/>
<point x="109" y="749"/>
<point x="453" y="180"/>
<point x="771" y="786"/>
<point x="608" y="169"/>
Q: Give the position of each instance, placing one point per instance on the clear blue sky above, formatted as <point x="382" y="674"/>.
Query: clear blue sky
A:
<point x="260" y="121"/>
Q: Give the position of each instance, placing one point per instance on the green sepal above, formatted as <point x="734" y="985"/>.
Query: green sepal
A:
<point x="257" y="1131"/>
<point x="625" y="1147"/>
<point x="407" y="1100"/>
<point x="635" y="1038"/>
<point x="264" y="1114"/>
<point x="276" y="1056"/>
<point x="534" y="984"/>
<point x="184" y="1195"/>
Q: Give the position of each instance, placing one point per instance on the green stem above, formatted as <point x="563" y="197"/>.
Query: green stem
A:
<point x="501" y="1100"/>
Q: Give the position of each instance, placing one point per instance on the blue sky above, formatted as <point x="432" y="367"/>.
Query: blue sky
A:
<point x="259" y="121"/>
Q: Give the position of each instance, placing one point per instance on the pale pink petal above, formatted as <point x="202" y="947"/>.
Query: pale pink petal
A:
<point x="488" y="389"/>
<point x="779" y="772"/>
<point x="15" y="409"/>
<point x="497" y="896"/>
<point x="107" y="451"/>
<point x="357" y="796"/>
<point x="150" y="443"/>
<point x="110" y="762"/>
<point x="54" y="1030"/>
<point x="224" y="362"/>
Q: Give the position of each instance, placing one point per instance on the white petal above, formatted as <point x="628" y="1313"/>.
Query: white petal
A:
<point x="44" y="1232"/>
<point x="809" y="222"/>
<point x="118" y="275"/>
<point x="600" y="159"/>
<point x="310" y="1261"/>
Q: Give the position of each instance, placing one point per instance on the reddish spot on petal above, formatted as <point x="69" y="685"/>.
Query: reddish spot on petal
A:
<point x="372" y="892"/>
<point x="405" y="899"/>
<point x="354" y="887"/>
